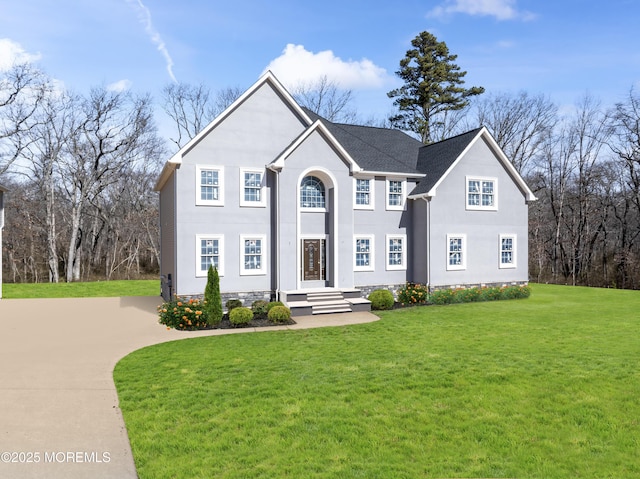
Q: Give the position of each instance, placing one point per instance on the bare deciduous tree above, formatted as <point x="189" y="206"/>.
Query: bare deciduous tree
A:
<point x="325" y="98"/>
<point x="520" y="124"/>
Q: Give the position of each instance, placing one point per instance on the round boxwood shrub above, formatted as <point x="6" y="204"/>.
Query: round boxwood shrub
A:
<point x="259" y="307"/>
<point x="273" y="304"/>
<point x="381" y="299"/>
<point x="240" y="316"/>
<point x="232" y="304"/>
<point x="279" y="314"/>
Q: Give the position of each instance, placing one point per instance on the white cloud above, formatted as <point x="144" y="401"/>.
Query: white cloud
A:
<point x="144" y="14"/>
<point x="298" y="66"/>
<point x="119" y="86"/>
<point x="12" y="52"/>
<point x="501" y="9"/>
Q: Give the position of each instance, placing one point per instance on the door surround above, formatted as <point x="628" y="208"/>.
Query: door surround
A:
<point x="330" y="237"/>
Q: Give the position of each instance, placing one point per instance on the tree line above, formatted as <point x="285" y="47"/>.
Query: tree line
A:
<point x="81" y="168"/>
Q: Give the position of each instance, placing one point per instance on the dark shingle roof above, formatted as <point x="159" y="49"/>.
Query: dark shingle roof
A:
<point x="393" y="151"/>
<point x="435" y="159"/>
<point x="375" y="149"/>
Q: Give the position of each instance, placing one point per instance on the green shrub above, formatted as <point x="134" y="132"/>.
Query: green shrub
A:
<point x="470" y="295"/>
<point x="232" y="304"/>
<point x="443" y="296"/>
<point x="413" y="293"/>
<point x="491" y="294"/>
<point x="240" y="316"/>
<point x="259" y="307"/>
<point x="183" y="314"/>
<point x="273" y="304"/>
<point x="381" y="299"/>
<point x="212" y="300"/>
<point x="279" y="314"/>
<point x="515" y="292"/>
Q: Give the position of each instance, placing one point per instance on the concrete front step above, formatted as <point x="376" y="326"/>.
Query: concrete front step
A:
<point x="322" y="301"/>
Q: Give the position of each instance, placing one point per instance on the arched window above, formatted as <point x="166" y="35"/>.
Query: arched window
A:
<point x="312" y="193"/>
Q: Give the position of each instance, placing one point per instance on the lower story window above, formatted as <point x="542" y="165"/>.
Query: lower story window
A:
<point x="507" y="251"/>
<point x="396" y="252"/>
<point x="252" y="250"/>
<point x="209" y="250"/>
<point x="363" y="253"/>
<point x="456" y="252"/>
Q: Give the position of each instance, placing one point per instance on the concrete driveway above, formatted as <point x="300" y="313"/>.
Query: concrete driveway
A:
<point x="59" y="412"/>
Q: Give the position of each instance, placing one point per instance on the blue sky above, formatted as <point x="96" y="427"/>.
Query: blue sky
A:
<point x="560" y="48"/>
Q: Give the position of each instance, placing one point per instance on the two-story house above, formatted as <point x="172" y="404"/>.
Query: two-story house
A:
<point x="287" y="205"/>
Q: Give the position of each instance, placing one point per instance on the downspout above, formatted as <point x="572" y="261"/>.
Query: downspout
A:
<point x="428" y="201"/>
<point x="276" y="200"/>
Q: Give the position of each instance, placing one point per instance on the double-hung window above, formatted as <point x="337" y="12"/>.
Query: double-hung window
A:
<point x="363" y="191"/>
<point x="396" y="252"/>
<point x="209" y="252"/>
<point x="507" y="251"/>
<point x="456" y="252"/>
<point x="482" y="193"/>
<point x="210" y="185"/>
<point x="363" y="258"/>
<point x="252" y="189"/>
<point x="252" y="254"/>
<point x="395" y="194"/>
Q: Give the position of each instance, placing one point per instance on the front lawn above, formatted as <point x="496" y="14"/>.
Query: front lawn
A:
<point x="546" y="387"/>
<point x="92" y="289"/>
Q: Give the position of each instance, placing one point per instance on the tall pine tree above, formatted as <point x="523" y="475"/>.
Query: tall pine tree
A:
<point x="432" y="89"/>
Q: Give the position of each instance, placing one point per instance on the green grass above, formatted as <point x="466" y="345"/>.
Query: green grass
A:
<point x="547" y="387"/>
<point x="82" y="290"/>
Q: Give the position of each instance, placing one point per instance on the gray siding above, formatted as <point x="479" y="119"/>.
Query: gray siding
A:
<point x="167" y="238"/>
<point x="482" y="228"/>
<point x="316" y="157"/>
<point x="251" y="137"/>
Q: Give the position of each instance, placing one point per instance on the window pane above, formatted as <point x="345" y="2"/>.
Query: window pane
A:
<point x="209" y="185"/>
<point x="253" y="254"/>
<point x="312" y="193"/>
<point x="362" y="192"/>
<point x="395" y="252"/>
<point x="209" y="254"/>
<point x="252" y="186"/>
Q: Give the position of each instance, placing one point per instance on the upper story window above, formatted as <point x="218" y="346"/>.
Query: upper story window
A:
<point x="252" y="189"/>
<point x="482" y="193"/>
<point x="363" y="191"/>
<point x="395" y="194"/>
<point x="312" y="193"/>
<point x="210" y="185"/>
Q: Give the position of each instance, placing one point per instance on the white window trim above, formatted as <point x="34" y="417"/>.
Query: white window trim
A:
<point x="220" y="238"/>
<point x="263" y="190"/>
<point x="514" y="239"/>
<point x="404" y="194"/>
<point x="394" y="267"/>
<point x="480" y="207"/>
<point x="463" y="265"/>
<point x="199" y="200"/>
<point x="253" y="272"/>
<point x="372" y="187"/>
<point x="371" y="266"/>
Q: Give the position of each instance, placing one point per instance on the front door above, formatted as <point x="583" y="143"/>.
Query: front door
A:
<point x="313" y="260"/>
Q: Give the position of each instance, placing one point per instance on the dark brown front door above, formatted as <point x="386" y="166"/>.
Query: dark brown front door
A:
<point x="312" y="260"/>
